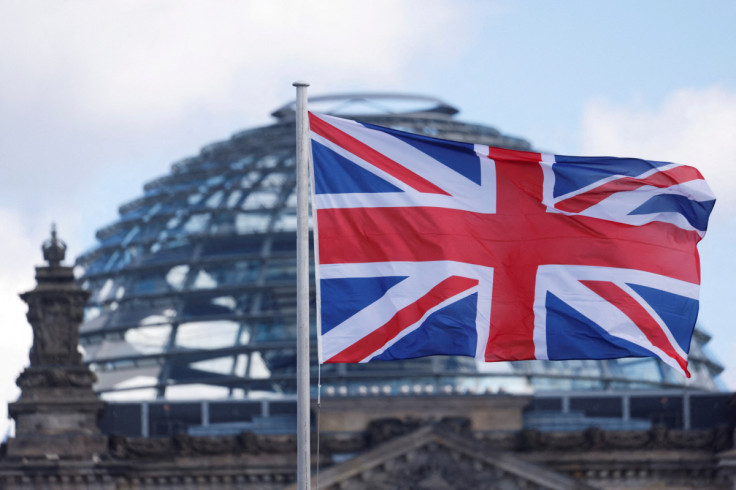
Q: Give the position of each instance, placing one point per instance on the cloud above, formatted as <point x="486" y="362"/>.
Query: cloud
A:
<point x="123" y="60"/>
<point x="106" y="95"/>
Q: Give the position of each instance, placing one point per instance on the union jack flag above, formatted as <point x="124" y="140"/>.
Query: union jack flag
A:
<point x="428" y="246"/>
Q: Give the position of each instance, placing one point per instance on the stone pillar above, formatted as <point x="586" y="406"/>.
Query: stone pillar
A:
<point x="56" y="414"/>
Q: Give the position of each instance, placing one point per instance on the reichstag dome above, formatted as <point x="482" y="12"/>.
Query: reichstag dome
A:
<point x="194" y="286"/>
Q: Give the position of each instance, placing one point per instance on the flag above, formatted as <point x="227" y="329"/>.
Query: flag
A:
<point x="428" y="246"/>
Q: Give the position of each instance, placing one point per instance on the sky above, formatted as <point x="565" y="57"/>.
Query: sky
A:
<point x="97" y="98"/>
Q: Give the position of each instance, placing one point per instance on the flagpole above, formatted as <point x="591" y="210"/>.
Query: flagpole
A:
<point x="303" y="466"/>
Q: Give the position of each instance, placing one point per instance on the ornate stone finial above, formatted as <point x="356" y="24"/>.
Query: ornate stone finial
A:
<point x="54" y="250"/>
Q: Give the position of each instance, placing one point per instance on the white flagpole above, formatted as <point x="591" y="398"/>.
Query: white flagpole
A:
<point x="303" y="466"/>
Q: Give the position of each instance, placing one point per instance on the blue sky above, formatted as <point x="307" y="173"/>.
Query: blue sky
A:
<point x="96" y="98"/>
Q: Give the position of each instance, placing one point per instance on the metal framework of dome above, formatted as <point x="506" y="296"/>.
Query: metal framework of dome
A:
<point x="194" y="291"/>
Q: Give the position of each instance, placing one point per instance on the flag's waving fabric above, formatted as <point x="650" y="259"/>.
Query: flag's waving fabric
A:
<point x="428" y="246"/>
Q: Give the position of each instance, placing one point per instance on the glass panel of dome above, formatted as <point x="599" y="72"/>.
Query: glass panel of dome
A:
<point x="245" y="334"/>
<point x="661" y="411"/>
<point x="269" y="161"/>
<point x="225" y="302"/>
<point x="130" y="235"/>
<point x="215" y="180"/>
<point x="130" y="395"/>
<point x="214" y="200"/>
<point x="249" y="179"/>
<point x="204" y="280"/>
<point x="113" y="239"/>
<point x="219" y="365"/>
<point x="281" y="269"/>
<point x="275" y="179"/>
<point x="133" y="314"/>
<point x="173" y="222"/>
<point x="105" y="291"/>
<point x="177" y="276"/>
<point x="241" y="365"/>
<point x="241" y="163"/>
<point x="173" y="251"/>
<point x="207" y="335"/>
<point x="257" y="369"/>
<point x="638" y="369"/>
<point x="234" y="198"/>
<point x="260" y="199"/>
<point x="130" y="378"/>
<point x="196" y="306"/>
<point x="286" y="221"/>
<point x="149" y="340"/>
<point x="150" y="231"/>
<point x="150" y="283"/>
<point x="197" y="223"/>
<point x="252" y="222"/>
<point x="240" y="272"/>
<point x="194" y="199"/>
<point x="275" y="329"/>
<point x="195" y="391"/>
<point x="115" y="348"/>
<point x="291" y="200"/>
<point x="90" y="313"/>
<point x="231" y="245"/>
<point x="112" y="261"/>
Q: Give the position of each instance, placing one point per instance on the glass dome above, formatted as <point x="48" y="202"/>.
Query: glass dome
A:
<point x="194" y="286"/>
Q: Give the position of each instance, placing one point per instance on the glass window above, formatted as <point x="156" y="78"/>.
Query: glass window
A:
<point x="204" y="280"/>
<point x="269" y="161"/>
<point x="149" y="340"/>
<point x="197" y="223"/>
<point x="258" y="368"/>
<point x="194" y="199"/>
<point x="167" y="419"/>
<point x="234" y="198"/>
<point x="241" y="163"/>
<point x="252" y="222"/>
<point x="249" y="179"/>
<point x="262" y="199"/>
<point x="286" y="220"/>
<point x="215" y="199"/>
<point x="597" y="406"/>
<point x="177" y="276"/>
<point x="150" y="283"/>
<point x="708" y="411"/>
<point x="218" y="366"/>
<point x="660" y="410"/>
<point x="221" y="412"/>
<point x="274" y="179"/>
<point x="207" y="335"/>
<point x="240" y="245"/>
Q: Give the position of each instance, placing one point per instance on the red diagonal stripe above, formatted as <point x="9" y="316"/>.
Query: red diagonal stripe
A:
<point x="667" y="178"/>
<point x="404" y="318"/>
<point x="637" y="314"/>
<point x="360" y="149"/>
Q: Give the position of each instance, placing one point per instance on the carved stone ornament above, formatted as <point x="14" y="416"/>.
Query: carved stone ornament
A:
<point x="57" y="410"/>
